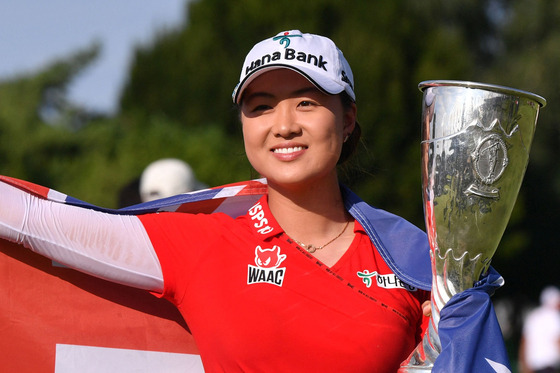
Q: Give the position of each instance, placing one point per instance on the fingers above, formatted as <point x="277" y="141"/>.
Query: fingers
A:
<point x="427" y="308"/>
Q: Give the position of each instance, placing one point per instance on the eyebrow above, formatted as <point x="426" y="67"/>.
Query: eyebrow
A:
<point x="253" y="95"/>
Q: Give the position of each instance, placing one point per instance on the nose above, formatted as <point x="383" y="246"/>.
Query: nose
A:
<point x="285" y="123"/>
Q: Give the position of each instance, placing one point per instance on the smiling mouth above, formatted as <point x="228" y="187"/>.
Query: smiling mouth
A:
<point x="288" y="150"/>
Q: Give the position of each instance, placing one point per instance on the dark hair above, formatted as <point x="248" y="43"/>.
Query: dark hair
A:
<point x="349" y="147"/>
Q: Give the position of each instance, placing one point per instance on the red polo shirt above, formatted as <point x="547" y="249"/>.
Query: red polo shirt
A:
<point x="256" y="302"/>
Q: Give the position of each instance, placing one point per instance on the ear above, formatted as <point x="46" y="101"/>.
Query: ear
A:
<point x="350" y="119"/>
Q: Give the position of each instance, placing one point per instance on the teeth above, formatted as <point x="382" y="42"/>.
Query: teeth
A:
<point x="288" y="150"/>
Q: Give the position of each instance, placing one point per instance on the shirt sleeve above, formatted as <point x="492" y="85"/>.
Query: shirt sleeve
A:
<point x="185" y="242"/>
<point x="113" y="247"/>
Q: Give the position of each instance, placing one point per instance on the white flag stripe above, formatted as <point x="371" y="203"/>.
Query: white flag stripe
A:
<point x="239" y="206"/>
<point x="89" y="359"/>
<point x="500" y="368"/>
<point x="229" y="191"/>
<point x="53" y="195"/>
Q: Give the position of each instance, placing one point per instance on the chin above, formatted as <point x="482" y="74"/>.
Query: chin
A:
<point x="302" y="175"/>
<point x="296" y="181"/>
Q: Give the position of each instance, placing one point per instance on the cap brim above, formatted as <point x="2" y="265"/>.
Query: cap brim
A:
<point x="324" y="85"/>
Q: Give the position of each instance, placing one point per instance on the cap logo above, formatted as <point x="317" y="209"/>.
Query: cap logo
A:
<point x="346" y="79"/>
<point x="289" y="54"/>
<point x="285" y="39"/>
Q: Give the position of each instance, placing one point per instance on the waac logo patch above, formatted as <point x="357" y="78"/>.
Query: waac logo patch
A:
<point x="267" y="267"/>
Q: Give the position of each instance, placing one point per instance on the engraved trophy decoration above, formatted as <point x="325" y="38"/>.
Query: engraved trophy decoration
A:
<point x="475" y="149"/>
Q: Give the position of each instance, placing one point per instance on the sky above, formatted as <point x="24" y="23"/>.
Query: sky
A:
<point x="34" y="33"/>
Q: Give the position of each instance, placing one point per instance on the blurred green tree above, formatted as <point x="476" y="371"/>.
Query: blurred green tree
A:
<point x="27" y="104"/>
<point x="529" y="58"/>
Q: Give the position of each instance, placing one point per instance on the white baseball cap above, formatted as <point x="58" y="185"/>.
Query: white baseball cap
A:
<point x="315" y="57"/>
<point x="167" y="177"/>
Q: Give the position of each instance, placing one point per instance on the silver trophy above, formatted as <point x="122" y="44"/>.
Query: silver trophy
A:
<point x="475" y="149"/>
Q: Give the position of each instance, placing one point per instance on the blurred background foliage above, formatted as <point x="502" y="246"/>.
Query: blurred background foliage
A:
<point x="177" y="103"/>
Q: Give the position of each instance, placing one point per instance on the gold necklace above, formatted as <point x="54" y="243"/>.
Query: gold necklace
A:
<point x="312" y="248"/>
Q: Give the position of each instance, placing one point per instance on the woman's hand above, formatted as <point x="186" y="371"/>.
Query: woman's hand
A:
<point x="427" y="308"/>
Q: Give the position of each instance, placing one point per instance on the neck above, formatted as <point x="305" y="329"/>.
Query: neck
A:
<point x="311" y="213"/>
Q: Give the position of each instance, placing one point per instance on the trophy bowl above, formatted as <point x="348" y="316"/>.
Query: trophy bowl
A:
<point x="475" y="146"/>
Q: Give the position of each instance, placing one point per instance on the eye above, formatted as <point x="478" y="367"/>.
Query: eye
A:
<point x="261" y="107"/>
<point x="308" y="104"/>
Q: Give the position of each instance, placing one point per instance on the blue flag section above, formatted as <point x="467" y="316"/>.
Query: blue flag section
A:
<point x="471" y="338"/>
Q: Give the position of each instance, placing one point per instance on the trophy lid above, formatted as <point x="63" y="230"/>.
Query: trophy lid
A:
<point x="490" y="87"/>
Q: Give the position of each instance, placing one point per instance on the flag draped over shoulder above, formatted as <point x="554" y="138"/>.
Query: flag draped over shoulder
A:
<point x="233" y="199"/>
<point x="54" y="319"/>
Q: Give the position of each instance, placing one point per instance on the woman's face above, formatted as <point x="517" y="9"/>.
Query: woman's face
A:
<point x="293" y="132"/>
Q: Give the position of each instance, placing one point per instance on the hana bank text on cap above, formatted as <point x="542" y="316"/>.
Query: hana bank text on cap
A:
<point x="315" y="57"/>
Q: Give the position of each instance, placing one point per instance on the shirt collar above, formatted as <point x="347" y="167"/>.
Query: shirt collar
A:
<point x="261" y="220"/>
<point x="263" y="223"/>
